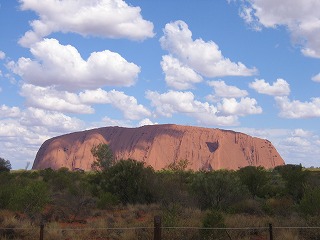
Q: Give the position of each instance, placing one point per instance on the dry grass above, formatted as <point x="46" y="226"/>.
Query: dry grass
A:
<point x="15" y="226"/>
<point x="138" y="216"/>
<point x="280" y="224"/>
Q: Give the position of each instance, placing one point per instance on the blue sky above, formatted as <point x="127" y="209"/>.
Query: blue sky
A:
<point x="249" y="66"/>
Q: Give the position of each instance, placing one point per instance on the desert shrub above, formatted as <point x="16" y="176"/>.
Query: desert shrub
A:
<point x="213" y="219"/>
<point x="47" y="174"/>
<point x="6" y="192"/>
<point x="276" y="186"/>
<point x="251" y="225"/>
<point x="106" y="200"/>
<point x="172" y="214"/>
<point x="61" y="179"/>
<point x="71" y="194"/>
<point x="13" y="184"/>
<point x="176" y="215"/>
<point x="218" y="189"/>
<point x="30" y="199"/>
<point x="74" y="202"/>
<point x="7" y="188"/>
<point x="172" y="187"/>
<point x="5" y="165"/>
<point x="130" y="181"/>
<point x="313" y="178"/>
<point x="310" y="203"/>
<point x="255" y="178"/>
<point x="283" y="206"/>
<point x="295" y="180"/>
<point x="247" y="206"/>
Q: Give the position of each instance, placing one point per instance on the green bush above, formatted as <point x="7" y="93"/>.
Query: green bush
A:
<point x="174" y="187"/>
<point x="255" y="178"/>
<point x="5" y="165"/>
<point x="74" y="202"/>
<point x="6" y="192"/>
<point x="213" y="219"/>
<point x="171" y="214"/>
<point x="310" y="203"/>
<point x="282" y="206"/>
<point x="107" y="200"/>
<point x="295" y="180"/>
<point x="130" y="181"/>
<point x="30" y="199"/>
<point x="217" y="190"/>
<point x="247" y="206"/>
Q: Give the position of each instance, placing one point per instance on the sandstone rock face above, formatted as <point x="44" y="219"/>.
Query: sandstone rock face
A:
<point x="160" y="145"/>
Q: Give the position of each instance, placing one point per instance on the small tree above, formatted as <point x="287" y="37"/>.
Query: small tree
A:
<point x="310" y="203"/>
<point x="5" y="165"/>
<point x="217" y="190"/>
<point x="213" y="219"/>
<point x="255" y="178"/>
<point x="295" y="178"/>
<point x="130" y="181"/>
<point x="75" y="202"/>
<point x="104" y="157"/>
<point x="30" y="199"/>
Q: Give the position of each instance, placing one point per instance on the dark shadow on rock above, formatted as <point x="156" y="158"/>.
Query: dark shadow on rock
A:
<point x="213" y="146"/>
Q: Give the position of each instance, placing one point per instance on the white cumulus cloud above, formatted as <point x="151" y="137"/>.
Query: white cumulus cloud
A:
<point x="246" y="13"/>
<point x="49" y="98"/>
<point x="145" y="122"/>
<point x="172" y="102"/>
<point x="279" y="88"/>
<point x="300" y="146"/>
<point x="300" y="17"/>
<point x="296" y="142"/>
<point x="53" y="121"/>
<point x="63" y="67"/>
<point x="178" y="75"/>
<point x="106" y="121"/>
<point x="246" y="106"/>
<point x="301" y="133"/>
<point x="128" y="105"/>
<point x="9" y="112"/>
<point x="104" y="18"/>
<point x="221" y="89"/>
<point x="298" y="109"/>
<point x="8" y="129"/>
<point x="203" y="57"/>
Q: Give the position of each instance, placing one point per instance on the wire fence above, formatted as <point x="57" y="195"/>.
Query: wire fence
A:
<point x="159" y="232"/>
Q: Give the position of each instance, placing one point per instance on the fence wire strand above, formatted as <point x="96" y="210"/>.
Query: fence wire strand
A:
<point x="194" y="228"/>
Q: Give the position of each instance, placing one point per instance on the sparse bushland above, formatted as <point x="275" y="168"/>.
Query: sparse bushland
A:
<point x="129" y="194"/>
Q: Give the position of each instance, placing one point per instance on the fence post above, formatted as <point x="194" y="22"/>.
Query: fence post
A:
<point x="41" y="230"/>
<point x="157" y="228"/>
<point x="270" y="231"/>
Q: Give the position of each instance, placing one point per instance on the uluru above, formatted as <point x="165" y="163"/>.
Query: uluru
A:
<point x="160" y="145"/>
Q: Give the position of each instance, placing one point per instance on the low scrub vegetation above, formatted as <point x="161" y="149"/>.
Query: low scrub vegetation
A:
<point x="128" y="194"/>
